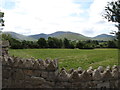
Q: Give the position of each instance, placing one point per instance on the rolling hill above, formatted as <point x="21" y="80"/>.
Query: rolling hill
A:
<point x="19" y="36"/>
<point x="73" y="36"/>
<point x="62" y="35"/>
<point x="103" y="37"/>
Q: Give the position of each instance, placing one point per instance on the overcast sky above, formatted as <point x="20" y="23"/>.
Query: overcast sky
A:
<point x="30" y="17"/>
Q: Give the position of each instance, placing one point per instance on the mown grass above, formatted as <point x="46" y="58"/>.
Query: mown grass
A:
<point x="72" y="58"/>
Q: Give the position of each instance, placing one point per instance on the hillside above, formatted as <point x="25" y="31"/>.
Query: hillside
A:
<point x="103" y="37"/>
<point x="62" y="35"/>
<point x="37" y="36"/>
<point x="73" y="36"/>
<point x="19" y="36"/>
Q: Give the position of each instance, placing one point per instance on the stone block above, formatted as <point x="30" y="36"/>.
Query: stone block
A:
<point x="106" y="75"/>
<point x="20" y="63"/>
<point x="27" y="72"/>
<point x="28" y="64"/>
<point x="71" y="71"/>
<point x="85" y="76"/>
<point x="20" y="74"/>
<point x="115" y="73"/>
<point x="5" y="61"/>
<point x="36" y="65"/>
<point x="5" y="83"/>
<point x="44" y="74"/>
<point x="100" y="69"/>
<point x="6" y="72"/>
<point x="103" y="85"/>
<point x="63" y="76"/>
<point x="10" y="61"/>
<point x="74" y="77"/>
<point x="52" y="76"/>
<point x="37" y="73"/>
<point x="42" y="63"/>
<point x="51" y="66"/>
<point x="80" y="70"/>
<point x="76" y="85"/>
<point x="19" y="84"/>
<point x="96" y="75"/>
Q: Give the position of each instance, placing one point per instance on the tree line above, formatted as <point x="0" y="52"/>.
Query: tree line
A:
<point x="53" y="42"/>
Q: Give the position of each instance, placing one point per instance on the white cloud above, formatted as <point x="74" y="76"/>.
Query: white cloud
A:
<point x="96" y="22"/>
<point x="48" y="16"/>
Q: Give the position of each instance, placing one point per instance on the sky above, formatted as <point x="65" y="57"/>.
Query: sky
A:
<point x="29" y="17"/>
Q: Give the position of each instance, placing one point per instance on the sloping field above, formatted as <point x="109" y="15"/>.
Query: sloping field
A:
<point x="72" y="58"/>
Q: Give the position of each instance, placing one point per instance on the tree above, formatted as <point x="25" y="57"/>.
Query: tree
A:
<point x="51" y="43"/>
<point x="80" y="45"/>
<point x="66" y="43"/>
<point x="111" y="44"/>
<point x="1" y="19"/>
<point x="113" y="14"/>
<point x="1" y="23"/>
<point x="42" y="42"/>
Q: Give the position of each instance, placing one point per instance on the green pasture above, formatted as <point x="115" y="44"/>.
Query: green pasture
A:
<point x="72" y="58"/>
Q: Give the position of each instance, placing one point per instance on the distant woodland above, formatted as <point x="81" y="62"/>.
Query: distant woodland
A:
<point x="53" y="42"/>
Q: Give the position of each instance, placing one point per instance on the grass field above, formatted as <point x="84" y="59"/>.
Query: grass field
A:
<point x="72" y="58"/>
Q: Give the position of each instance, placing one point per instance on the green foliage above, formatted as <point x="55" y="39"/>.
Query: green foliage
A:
<point x="80" y="45"/>
<point x="72" y="58"/>
<point x="29" y="44"/>
<point x="111" y="44"/>
<point x="42" y="42"/>
<point x="1" y="19"/>
<point x="66" y="43"/>
<point x="54" y="42"/>
<point x="113" y="14"/>
<point x="113" y="11"/>
<point x="16" y="44"/>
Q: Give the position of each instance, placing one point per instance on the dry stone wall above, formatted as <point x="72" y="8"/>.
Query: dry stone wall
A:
<point x="30" y="73"/>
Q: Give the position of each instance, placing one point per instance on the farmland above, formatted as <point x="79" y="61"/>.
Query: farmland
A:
<point x="72" y="58"/>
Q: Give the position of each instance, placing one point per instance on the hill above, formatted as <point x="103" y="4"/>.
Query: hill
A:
<point x="103" y="37"/>
<point x="62" y="35"/>
<point x="37" y="36"/>
<point x="19" y="36"/>
<point x="73" y="36"/>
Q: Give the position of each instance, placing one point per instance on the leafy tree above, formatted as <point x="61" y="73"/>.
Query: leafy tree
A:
<point x="54" y="42"/>
<point x="66" y="43"/>
<point x="1" y="19"/>
<point x="113" y="14"/>
<point x="80" y="45"/>
<point x="72" y="45"/>
<point x="6" y="36"/>
<point x="15" y="44"/>
<point x="61" y="43"/>
<point x="111" y="44"/>
<point x="51" y="43"/>
<point x="42" y="42"/>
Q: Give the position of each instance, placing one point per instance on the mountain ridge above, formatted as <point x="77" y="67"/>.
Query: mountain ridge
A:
<point x="19" y="36"/>
<point x="61" y="35"/>
<point x="105" y="37"/>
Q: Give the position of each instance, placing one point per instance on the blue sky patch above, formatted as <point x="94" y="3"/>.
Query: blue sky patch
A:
<point x="8" y="4"/>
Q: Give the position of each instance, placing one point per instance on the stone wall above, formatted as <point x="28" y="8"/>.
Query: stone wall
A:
<point x="5" y="46"/>
<point x="31" y="73"/>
